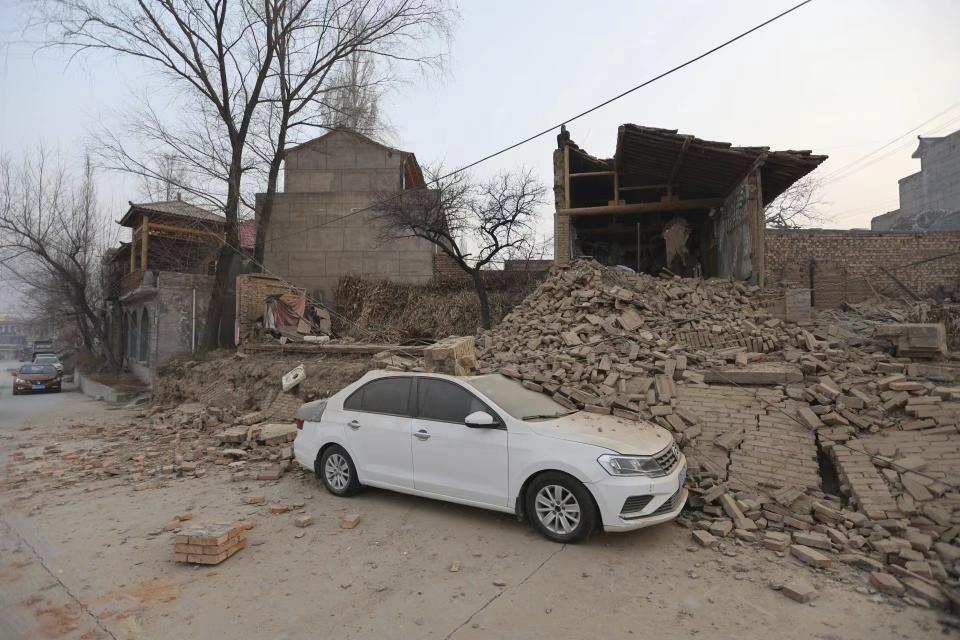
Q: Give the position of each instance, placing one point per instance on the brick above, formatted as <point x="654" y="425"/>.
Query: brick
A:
<point x="349" y="521"/>
<point x="886" y="583"/>
<point x="303" y="521"/>
<point x="278" y="508"/>
<point x="703" y="538"/>
<point x="920" y="589"/>
<point x="775" y="540"/>
<point x="812" y="539"/>
<point x="799" y="590"/>
<point x="810" y="557"/>
<point x="254" y="499"/>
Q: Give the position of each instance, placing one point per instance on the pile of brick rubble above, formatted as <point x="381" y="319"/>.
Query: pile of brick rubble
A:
<point x="183" y="442"/>
<point x="645" y="347"/>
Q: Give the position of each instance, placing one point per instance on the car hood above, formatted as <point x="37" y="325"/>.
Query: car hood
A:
<point x="37" y="377"/>
<point x="610" y="432"/>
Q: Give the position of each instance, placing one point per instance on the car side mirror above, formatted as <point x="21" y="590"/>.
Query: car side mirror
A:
<point x="479" y="420"/>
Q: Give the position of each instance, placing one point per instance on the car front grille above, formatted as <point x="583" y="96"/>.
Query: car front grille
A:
<point x="634" y="505"/>
<point x="669" y="505"/>
<point x="668" y="458"/>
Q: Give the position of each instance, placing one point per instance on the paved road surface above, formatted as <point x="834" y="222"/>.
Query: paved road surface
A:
<point x="87" y="561"/>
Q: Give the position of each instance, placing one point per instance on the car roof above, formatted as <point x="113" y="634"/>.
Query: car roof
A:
<point x="383" y="373"/>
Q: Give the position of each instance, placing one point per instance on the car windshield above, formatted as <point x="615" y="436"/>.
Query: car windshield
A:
<point x="37" y="368"/>
<point x="517" y="400"/>
<point x="47" y="360"/>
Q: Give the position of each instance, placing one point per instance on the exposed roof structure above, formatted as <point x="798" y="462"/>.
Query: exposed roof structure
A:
<point x="174" y="208"/>
<point x="657" y="161"/>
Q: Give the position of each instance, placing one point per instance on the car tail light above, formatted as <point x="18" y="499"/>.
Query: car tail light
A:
<point x="299" y="423"/>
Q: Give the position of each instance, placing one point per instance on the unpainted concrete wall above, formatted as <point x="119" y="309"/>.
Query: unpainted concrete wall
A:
<point x="937" y="186"/>
<point x="170" y="315"/>
<point x="308" y="243"/>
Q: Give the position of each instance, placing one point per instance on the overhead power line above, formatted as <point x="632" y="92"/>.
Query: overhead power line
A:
<point x="565" y="122"/>
<point x="837" y="173"/>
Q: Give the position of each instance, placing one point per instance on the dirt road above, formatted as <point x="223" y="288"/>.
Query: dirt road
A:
<point x="90" y="561"/>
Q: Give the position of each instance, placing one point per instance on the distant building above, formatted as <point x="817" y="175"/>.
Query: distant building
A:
<point x="929" y="198"/>
<point x="14" y="334"/>
<point x="317" y="230"/>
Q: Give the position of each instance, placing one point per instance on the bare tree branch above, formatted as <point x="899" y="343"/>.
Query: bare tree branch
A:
<point x="797" y="206"/>
<point x="52" y="235"/>
<point x="474" y="223"/>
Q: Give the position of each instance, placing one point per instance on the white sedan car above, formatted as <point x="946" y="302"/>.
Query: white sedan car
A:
<point x="487" y="441"/>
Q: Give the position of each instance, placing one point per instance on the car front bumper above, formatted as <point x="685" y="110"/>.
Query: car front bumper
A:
<point x="662" y="499"/>
<point x="52" y="385"/>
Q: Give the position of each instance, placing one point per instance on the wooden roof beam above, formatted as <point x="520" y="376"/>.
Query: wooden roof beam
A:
<point x="645" y="207"/>
<point x="676" y="163"/>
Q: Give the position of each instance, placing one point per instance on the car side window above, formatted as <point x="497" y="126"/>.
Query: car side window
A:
<point x="446" y="402"/>
<point x="388" y="395"/>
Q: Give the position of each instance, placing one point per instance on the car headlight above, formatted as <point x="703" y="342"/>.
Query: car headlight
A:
<point x="630" y="465"/>
<point x="20" y="381"/>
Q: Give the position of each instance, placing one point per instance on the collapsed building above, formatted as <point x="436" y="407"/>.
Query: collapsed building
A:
<point x="670" y="200"/>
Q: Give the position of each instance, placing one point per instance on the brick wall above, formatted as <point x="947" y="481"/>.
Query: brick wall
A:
<point x="847" y="265"/>
<point x="445" y="267"/>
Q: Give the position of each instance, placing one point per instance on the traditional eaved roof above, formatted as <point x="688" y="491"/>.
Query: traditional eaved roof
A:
<point x="175" y="208"/>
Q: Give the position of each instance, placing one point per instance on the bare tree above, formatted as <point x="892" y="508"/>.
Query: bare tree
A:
<point x="316" y="42"/>
<point x="475" y="223"/>
<point x="166" y="185"/>
<point x="352" y="102"/>
<point x="52" y="235"/>
<point x="797" y="206"/>
<point x="220" y="53"/>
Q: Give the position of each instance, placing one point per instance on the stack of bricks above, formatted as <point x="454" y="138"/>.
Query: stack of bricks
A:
<point x="454" y="356"/>
<point x="210" y="543"/>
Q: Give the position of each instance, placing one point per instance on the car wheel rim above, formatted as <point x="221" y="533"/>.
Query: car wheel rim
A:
<point x="337" y="472"/>
<point x="557" y="509"/>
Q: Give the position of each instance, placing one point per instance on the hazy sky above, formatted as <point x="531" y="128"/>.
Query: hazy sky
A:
<point x="840" y="77"/>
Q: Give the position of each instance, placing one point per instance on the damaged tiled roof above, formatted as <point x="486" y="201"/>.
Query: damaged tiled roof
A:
<point x="704" y="168"/>
<point x="177" y="208"/>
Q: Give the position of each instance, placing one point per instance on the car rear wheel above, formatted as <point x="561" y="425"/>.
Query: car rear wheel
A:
<point x="560" y="507"/>
<point x="338" y="472"/>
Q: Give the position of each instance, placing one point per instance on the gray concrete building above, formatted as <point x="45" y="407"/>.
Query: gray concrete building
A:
<point x="316" y="234"/>
<point x="929" y="198"/>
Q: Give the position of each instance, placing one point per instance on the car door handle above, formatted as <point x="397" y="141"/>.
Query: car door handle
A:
<point x="353" y="424"/>
<point x="422" y="435"/>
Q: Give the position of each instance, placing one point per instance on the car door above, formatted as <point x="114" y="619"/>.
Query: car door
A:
<point x="450" y="458"/>
<point x="378" y="421"/>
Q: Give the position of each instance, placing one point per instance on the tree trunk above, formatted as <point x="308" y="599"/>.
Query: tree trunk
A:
<point x="266" y="212"/>
<point x="222" y="311"/>
<point x="481" y="290"/>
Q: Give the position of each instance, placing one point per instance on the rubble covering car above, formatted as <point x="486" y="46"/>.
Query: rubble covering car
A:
<point x="489" y="442"/>
<point x="36" y="377"/>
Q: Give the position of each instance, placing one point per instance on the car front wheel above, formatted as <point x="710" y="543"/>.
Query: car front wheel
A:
<point x="338" y="472"/>
<point x="560" y="507"/>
